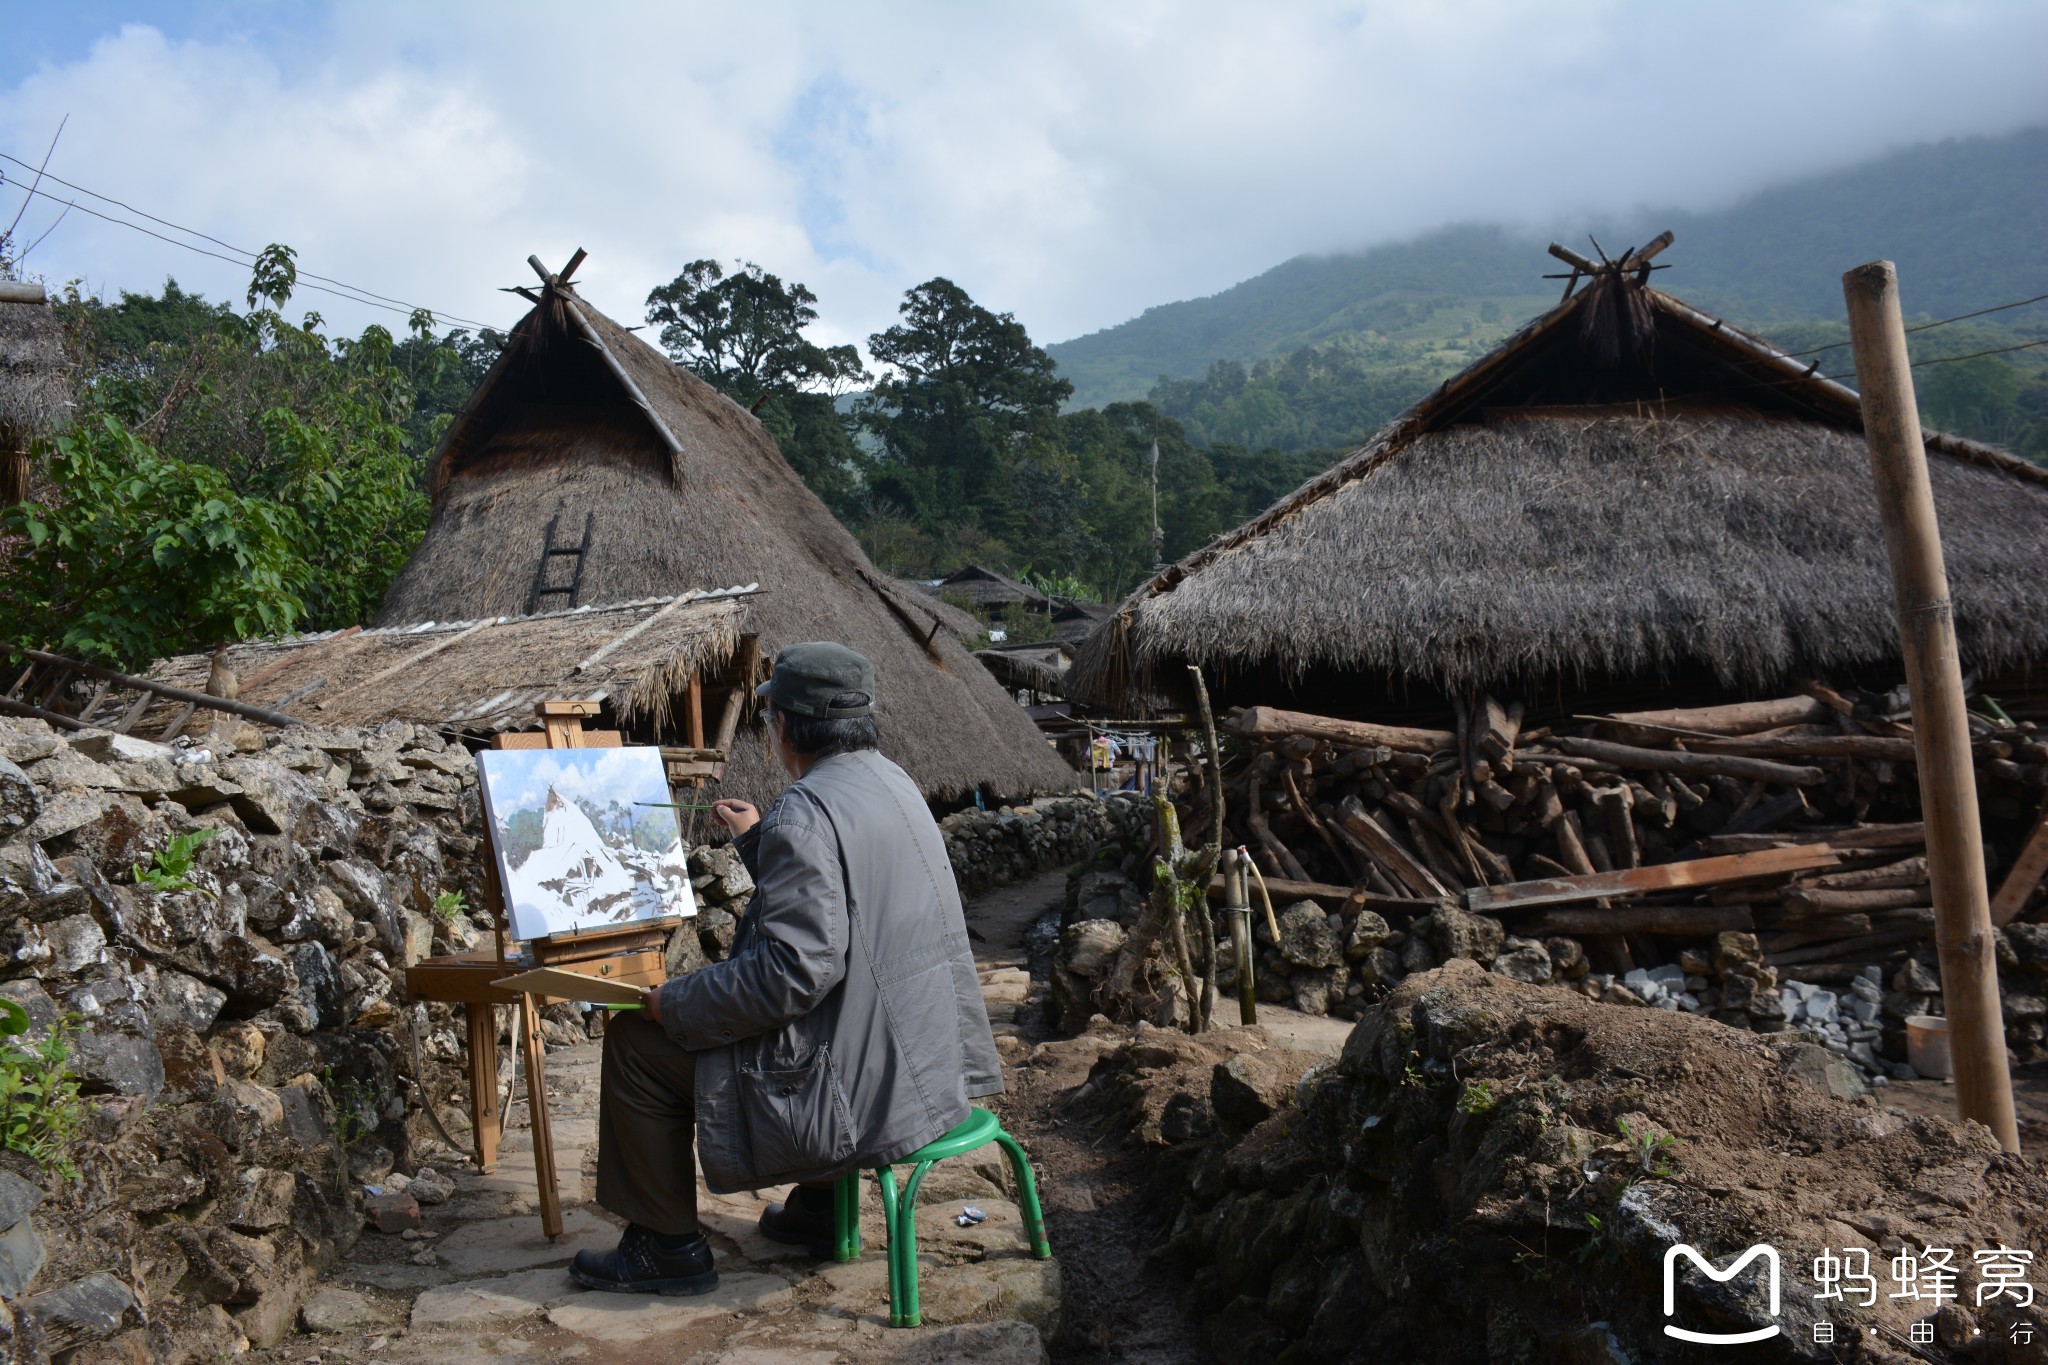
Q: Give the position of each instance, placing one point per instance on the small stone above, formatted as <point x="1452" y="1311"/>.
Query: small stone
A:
<point x="429" y="1186"/>
<point x="391" y="1213"/>
<point x="339" y="1310"/>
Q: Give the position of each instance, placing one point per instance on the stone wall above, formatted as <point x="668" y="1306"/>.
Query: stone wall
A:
<point x="231" y="1026"/>
<point x="990" y="848"/>
<point x="242" y="1039"/>
<point x="1327" y="964"/>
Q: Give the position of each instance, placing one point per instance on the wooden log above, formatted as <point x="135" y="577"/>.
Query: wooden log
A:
<point x="1685" y="920"/>
<point x="1264" y="721"/>
<point x="1820" y="900"/>
<point x="1400" y="864"/>
<point x="1905" y="872"/>
<point x="1672" y="761"/>
<point x="1738" y="718"/>
<point x="1283" y="889"/>
<point x="1791" y="749"/>
<point x="1964" y="936"/>
<point x="1842" y="839"/>
<point x="2025" y="876"/>
<point x="1438" y="858"/>
<point x="1499" y="726"/>
<point x="1615" y="805"/>
<point x="1315" y="822"/>
<point x="1799" y="933"/>
<point x="1849" y="947"/>
<point x="1639" y="881"/>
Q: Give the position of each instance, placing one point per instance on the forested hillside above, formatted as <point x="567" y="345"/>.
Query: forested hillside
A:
<point x="1320" y="350"/>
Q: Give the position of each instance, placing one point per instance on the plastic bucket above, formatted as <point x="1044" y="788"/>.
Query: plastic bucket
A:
<point x="1927" y="1046"/>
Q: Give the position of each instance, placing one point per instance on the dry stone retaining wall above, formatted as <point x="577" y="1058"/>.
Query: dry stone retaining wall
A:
<point x="241" y="1033"/>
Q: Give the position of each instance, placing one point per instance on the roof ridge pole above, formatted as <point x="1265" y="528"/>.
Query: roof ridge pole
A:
<point x="1963" y="935"/>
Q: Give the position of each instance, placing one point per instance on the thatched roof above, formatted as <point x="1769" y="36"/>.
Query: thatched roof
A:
<point x="987" y="589"/>
<point x="583" y="426"/>
<point x="33" y="396"/>
<point x="1626" y="488"/>
<point x="1021" y="672"/>
<point x="925" y="593"/>
<point x="484" y="676"/>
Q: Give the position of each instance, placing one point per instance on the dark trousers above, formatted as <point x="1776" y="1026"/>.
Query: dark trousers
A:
<point x="647" y="1129"/>
<point x="647" y="1126"/>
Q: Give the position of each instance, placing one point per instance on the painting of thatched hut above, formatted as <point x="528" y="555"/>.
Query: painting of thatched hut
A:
<point x="589" y="469"/>
<point x="1626" y="500"/>
<point x="34" y="400"/>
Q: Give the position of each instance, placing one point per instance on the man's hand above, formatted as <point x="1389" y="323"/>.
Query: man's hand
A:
<point x="737" y="816"/>
<point x="650" y="1004"/>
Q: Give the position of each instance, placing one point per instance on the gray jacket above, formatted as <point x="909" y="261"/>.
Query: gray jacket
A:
<point x="847" y="1026"/>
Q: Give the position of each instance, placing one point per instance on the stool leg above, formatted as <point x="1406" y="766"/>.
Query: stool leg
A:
<point x="1027" y="1195"/>
<point x="885" y="1176"/>
<point x="846" y="1217"/>
<point x="904" y="1231"/>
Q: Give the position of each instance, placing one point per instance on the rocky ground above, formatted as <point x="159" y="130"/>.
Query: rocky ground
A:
<point x="477" y="1281"/>
<point x="1494" y="1170"/>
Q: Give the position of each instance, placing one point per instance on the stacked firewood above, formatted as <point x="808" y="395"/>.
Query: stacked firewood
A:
<point x="1625" y="828"/>
<point x="1645" y="838"/>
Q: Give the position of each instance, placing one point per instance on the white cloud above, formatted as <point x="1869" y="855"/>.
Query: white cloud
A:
<point x="1073" y="164"/>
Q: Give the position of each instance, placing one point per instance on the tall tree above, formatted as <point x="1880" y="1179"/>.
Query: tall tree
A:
<point x="743" y="333"/>
<point x="967" y="397"/>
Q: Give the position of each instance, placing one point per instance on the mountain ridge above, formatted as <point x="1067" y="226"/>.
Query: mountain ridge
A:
<point x="1960" y="217"/>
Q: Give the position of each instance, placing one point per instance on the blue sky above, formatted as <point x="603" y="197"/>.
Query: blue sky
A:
<point x="1072" y="163"/>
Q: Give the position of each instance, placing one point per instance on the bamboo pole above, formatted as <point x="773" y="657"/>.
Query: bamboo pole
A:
<point x="1239" y="909"/>
<point x="1963" y="935"/>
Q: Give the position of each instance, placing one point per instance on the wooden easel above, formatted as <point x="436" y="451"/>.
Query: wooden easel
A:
<point x="628" y="953"/>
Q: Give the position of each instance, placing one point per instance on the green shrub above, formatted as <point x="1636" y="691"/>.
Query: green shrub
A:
<point x="40" y="1109"/>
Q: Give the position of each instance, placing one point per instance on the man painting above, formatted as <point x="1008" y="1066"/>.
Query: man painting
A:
<point x="845" y="1029"/>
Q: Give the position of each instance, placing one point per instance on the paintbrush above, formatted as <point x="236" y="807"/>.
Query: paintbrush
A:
<point x="672" y="805"/>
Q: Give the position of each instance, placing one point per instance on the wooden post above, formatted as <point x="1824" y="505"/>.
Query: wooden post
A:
<point x="1963" y="935"/>
<point x="1238" y="907"/>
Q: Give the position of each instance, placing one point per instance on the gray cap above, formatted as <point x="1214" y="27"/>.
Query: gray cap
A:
<point x="808" y="677"/>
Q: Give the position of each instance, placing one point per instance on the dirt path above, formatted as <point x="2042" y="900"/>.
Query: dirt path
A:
<point x="479" y="1282"/>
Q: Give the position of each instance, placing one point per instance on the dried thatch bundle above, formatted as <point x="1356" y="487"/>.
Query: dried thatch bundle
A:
<point x="33" y="397"/>
<point x="1626" y="489"/>
<point x="480" y="677"/>
<point x="584" y="435"/>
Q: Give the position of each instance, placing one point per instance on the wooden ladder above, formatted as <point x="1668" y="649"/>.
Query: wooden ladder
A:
<point x="549" y="553"/>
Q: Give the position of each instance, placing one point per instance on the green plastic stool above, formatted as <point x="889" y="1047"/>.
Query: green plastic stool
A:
<point x="900" y="1216"/>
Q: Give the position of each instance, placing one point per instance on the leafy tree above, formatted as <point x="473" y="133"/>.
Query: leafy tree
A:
<point x="743" y="333"/>
<point x="229" y="475"/>
<point x="136" y="555"/>
<point x="967" y="398"/>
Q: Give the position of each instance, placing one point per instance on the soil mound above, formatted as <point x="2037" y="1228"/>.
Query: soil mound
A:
<point x="1496" y="1171"/>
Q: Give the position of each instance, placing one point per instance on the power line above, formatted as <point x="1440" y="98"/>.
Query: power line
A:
<point x="1922" y="327"/>
<point x="204" y="237"/>
<point x="341" y="290"/>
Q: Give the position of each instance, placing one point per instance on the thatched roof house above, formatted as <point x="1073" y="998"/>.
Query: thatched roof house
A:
<point x="481" y="677"/>
<point x="34" y="400"/>
<point x="587" y="468"/>
<point x="1626" y="493"/>
<point x="988" y="591"/>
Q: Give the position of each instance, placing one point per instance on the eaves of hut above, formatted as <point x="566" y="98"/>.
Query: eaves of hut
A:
<point x="589" y="469"/>
<point x="1627" y="496"/>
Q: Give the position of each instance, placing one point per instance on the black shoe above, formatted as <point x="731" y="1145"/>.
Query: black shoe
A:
<point x="640" y="1265"/>
<point x="794" y="1224"/>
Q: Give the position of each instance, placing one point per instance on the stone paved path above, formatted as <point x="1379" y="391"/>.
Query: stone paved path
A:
<point x="484" y="1284"/>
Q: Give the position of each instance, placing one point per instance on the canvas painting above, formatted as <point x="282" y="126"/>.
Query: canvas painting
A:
<point x="584" y="838"/>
